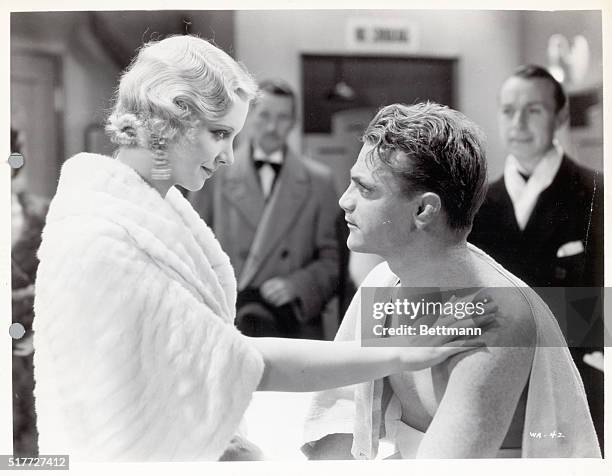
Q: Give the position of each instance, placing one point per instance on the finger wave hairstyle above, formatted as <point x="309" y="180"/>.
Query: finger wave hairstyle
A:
<point x="432" y="148"/>
<point x="170" y="87"/>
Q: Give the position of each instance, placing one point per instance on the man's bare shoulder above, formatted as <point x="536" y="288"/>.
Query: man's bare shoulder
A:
<point x="515" y="324"/>
<point x="509" y="341"/>
<point x="515" y="320"/>
<point x="507" y="357"/>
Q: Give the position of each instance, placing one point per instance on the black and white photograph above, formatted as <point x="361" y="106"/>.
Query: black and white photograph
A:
<point x="306" y="234"/>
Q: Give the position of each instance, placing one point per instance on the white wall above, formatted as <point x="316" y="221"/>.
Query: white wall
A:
<point x="486" y="43"/>
<point x="584" y="144"/>
<point x="91" y="78"/>
<point x="539" y="26"/>
<point x="88" y="76"/>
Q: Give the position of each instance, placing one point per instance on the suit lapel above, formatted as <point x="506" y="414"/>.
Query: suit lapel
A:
<point x="241" y="188"/>
<point x="284" y="205"/>
<point x="505" y="209"/>
<point x="286" y="201"/>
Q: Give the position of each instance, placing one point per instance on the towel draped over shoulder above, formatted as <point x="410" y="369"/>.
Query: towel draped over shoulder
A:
<point x="556" y="401"/>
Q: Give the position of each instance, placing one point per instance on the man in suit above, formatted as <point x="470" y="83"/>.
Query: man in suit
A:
<point x="543" y="219"/>
<point x="274" y="213"/>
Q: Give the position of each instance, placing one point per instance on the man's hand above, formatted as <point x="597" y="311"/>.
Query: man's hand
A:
<point x="278" y="291"/>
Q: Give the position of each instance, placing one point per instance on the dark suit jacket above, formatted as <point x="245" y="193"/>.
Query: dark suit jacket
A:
<point x="570" y="209"/>
<point x="293" y="236"/>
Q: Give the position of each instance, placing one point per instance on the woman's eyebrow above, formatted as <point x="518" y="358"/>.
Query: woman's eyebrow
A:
<point x="222" y="126"/>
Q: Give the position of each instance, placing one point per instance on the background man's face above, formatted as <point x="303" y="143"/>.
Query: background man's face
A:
<point x="376" y="212"/>
<point x="527" y="118"/>
<point x="273" y="118"/>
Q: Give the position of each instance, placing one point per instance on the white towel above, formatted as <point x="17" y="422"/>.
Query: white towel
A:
<point x="555" y="401"/>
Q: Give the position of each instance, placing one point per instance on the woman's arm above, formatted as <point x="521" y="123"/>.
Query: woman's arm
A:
<point x="300" y="365"/>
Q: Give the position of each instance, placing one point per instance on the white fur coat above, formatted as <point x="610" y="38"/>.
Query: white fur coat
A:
<point x="136" y="354"/>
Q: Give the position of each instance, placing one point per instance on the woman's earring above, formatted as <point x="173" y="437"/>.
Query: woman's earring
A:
<point x="161" y="166"/>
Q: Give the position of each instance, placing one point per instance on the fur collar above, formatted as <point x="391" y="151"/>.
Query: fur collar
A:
<point x="96" y="187"/>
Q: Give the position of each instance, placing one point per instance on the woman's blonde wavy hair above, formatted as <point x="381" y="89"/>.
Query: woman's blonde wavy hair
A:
<point x="170" y="87"/>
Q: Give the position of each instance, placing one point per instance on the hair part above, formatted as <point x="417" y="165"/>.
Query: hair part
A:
<point x="432" y="148"/>
<point x="171" y="86"/>
<point x="532" y="71"/>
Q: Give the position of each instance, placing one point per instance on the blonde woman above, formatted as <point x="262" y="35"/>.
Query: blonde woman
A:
<point x="137" y="357"/>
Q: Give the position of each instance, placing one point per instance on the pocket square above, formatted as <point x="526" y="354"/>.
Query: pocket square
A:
<point x="570" y="249"/>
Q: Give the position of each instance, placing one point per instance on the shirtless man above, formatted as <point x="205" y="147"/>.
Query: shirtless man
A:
<point x="415" y="188"/>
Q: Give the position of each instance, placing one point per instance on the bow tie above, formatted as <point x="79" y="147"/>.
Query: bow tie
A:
<point x="261" y="162"/>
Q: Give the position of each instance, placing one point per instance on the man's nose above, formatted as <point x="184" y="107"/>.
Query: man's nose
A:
<point x="346" y="202"/>
<point x="519" y="119"/>
<point x="271" y="125"/>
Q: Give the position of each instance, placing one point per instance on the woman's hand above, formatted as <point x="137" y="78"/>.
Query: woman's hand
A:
<point x="441" y="337"/>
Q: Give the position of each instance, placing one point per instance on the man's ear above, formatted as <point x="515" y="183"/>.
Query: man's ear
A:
<point x="428" y="209"/>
